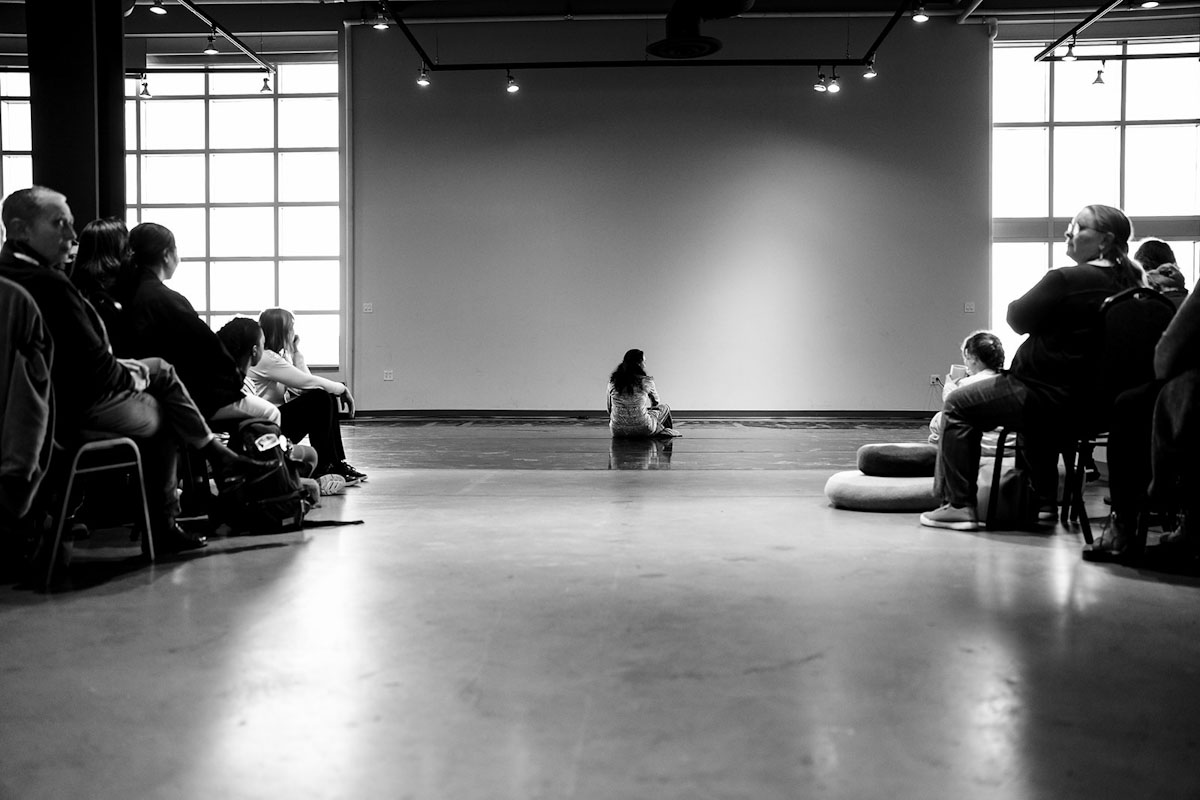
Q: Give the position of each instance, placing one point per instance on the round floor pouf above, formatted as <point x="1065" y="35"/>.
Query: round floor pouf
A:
<point x="858" y="492"/>
<point x="912" y="460"/>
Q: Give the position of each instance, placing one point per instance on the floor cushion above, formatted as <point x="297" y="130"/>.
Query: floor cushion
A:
<point x="855" y="491"/>
<point x="911" y="460"/>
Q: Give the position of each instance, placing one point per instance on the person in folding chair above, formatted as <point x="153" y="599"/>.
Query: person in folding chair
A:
<point x="1052" y="373"/>
<point x="96" y="393"/>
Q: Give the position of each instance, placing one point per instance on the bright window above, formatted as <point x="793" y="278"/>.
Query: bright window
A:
<point x="249" y="182"/>
<point x="1102" y="129"/>
<point x="16" y="134"/>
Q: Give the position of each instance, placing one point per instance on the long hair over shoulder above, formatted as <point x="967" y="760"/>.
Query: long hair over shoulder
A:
<point x="277" y="326"/>
<point x="630" y="375"/>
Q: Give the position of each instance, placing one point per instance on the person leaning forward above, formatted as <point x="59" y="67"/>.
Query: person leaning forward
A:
<point x="96" y="392"/>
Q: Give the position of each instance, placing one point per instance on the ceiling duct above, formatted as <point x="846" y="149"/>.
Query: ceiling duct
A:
<point x="683" y="27"/>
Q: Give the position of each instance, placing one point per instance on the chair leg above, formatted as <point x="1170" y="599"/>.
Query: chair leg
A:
<point x="148" y="542"/>
<point x="997" y="469"/>
<point x="1072" y="463"/>
<point x="59" y="524"/>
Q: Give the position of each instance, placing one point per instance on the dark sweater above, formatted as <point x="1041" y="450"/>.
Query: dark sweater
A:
<point x="159" y="321"/>
<point x="84" y="370"/>
<point x="1179" y="348"/>
<point x="1061" y="314"/>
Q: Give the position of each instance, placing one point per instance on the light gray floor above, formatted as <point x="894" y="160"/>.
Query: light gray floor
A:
<point x="715" y="630"/>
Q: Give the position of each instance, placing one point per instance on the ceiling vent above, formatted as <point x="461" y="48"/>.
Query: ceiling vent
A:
<point x="683" y="27"/>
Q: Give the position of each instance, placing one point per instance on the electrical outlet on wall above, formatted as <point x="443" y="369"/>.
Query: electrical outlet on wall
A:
<point x="368" y="308"/>
<point x="969" y="307"/>
<point x="934" y="379"/>
<point x="389" y="375"/>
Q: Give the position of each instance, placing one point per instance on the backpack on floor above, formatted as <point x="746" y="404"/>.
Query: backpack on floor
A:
<point x="270" y="501"/>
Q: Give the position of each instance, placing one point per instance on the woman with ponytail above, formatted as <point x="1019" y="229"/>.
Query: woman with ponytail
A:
<point x="161" y="322"/>
<point x="1049" y="386"/>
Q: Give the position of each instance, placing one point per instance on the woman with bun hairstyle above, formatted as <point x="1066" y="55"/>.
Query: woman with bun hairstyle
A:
<point x="158" y="321"/>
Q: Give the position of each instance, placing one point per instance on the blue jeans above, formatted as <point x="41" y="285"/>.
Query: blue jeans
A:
<point x="158" y="419"/>
<point x="1002" y="401"/>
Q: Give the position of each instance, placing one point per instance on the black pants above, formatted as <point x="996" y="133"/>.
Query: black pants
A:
<point x="314" y="414"/>
<point x="1129" y="448"/>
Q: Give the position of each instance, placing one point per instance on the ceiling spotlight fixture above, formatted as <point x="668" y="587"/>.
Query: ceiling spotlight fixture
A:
<point x="918" y="14"/>
<point x="212" y="50"/>
<point x="870" y="73"/>
<point x="820" y="85"/>
<point x="157" y="8"/>
<point x="1100" y="74"/>
<point x="382" y="23"/>
<point x="1070" y="56"/>
<point x="423" y="77"/>
<point x="145" y="92"/>
<point x="1150" y="4"/>
<point x="266" y="87"/>
<point x="513" y="87"/>
<point x="835" y="85"/>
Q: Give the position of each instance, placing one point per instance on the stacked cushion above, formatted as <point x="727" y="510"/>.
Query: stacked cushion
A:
<point x="890" y="477"/>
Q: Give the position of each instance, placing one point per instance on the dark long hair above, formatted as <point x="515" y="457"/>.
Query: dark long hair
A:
<point x="103" y="253"/>
<point x="276" y="324"/>
<point x="149" y="243"/>
<point x="1113" y="220"/>
<point x="629" y="376"/>
<point x="1154" y="252"/>
<point x="239" y="336"/>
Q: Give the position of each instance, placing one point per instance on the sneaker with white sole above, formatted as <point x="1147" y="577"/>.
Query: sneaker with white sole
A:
<point x="947" y="516"/>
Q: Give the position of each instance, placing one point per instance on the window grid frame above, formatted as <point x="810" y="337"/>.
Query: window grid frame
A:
<point x="138" y="209"/>
<point x="5" y="190"/>
<point x="1021" y="229"/>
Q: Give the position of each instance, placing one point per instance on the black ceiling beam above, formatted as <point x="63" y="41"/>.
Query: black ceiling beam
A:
<point x="434" y="66"/>
<point x="1080" y="28"/>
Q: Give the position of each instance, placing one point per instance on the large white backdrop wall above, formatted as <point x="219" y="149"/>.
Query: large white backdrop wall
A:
<point x="770" y="248"/>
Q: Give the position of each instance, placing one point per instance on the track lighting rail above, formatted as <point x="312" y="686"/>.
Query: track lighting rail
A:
<point x="227" y="34"/>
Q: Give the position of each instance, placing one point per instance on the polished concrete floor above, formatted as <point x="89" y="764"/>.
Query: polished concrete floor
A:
<point x="520" y="617"/>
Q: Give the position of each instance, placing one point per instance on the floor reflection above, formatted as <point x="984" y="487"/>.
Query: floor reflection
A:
<point x="640" y="453"/>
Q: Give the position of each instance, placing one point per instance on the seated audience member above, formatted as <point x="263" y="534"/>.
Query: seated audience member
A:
<point x="94" y="391"/>
<point x="633" y="405"/>
<point x="307" y="403"/>
<point x="1051" y="380"/>
<point x="99" y="265"/>
<point x="1162" y="273"/>
<point x="161" y="322"/>
<point x="983" y="357"/>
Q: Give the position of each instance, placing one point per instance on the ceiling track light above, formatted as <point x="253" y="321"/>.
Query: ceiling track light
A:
<point x="513" y="87"/>
<point x="1100" y="74"/>
<point x="918" y="14"/>
<point x="1070" y="56"/>
<point x="145" y="92"/>
<point x="212" y="50"/>
<point x="835" y="85"/>
<point x="381" y="23"/>
<point x="1149" y="4"/>
<point x="158" y="8"/>
<point x="870" y="72"/>
<point x="423" y="77"/>
<point x="266" y="87"/>
<point x="820" y="85"/>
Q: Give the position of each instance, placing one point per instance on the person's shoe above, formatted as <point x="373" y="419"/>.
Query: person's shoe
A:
<point x="331" y="483"/>
<point x="670" y="432"/>
<point x="174" y="539"/>
<point x="1113" y="545"/>
<point x="1048" y="513"/>
<point x="348" y="472"/>
<point x="956" y="519"/>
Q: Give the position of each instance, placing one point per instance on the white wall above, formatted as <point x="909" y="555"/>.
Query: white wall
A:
<point x="770" y="248"/>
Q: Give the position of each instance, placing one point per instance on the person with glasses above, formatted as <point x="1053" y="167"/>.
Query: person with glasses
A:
<point x="1050" y="381"/>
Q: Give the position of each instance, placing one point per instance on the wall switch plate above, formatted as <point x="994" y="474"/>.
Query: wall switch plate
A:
<point x="389" y="375"/>
<point x="368" y="308"/>
<point x="934" y="379"/>
<point x="969" y="307"/>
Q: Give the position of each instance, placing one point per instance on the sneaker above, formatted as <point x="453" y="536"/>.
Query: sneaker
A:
<point x="348" y="472"/>
<point x="1114" y="543"/>
<point x="956" y="519"/>
<point x="1047" y="513"/>
<point x="331" y="483"/>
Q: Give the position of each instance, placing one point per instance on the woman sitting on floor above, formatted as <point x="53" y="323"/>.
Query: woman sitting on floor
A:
<point x="1046" y="391"/>
<point x="633" y="405"/>
<point x="307" y="403"/>
<point x="983" y="357"/>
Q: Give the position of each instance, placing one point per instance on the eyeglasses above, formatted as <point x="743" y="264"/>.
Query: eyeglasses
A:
<point x="1074" y="228"/>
